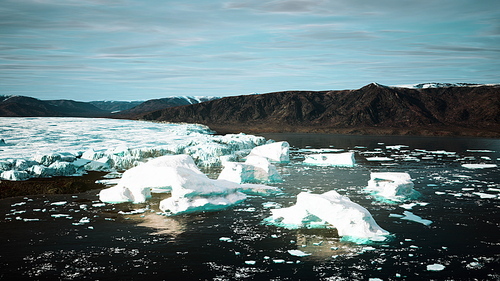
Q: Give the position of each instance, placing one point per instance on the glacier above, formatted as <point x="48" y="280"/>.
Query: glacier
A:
<point x="45" y="146"/>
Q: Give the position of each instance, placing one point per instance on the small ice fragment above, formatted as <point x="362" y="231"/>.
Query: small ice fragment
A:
<point x="412" y="217"/>
<point x="132" y="212"/>
<point x="298" y="253"/>
<point x="226" y="239"/>
<point x="60" y="216"/>
<point x="375" y="279"/>
<point x="345" y="159"/>
<point x="60" y="203"/>
<point x="279" y="261"/>
<point x="28" y="220"/>
<point x="485" y="195"/>
<point x="408" y="206"/>
<point x="18" y="204"/>
<point x="479" y="166"/>
<point x="274" y="236"/>
<point x="379" y="159"/>
<point x="98" y="205"/>
<point x="395" y="216"/>
<point x="435" y="267"/>
<point x="250" y="262"/>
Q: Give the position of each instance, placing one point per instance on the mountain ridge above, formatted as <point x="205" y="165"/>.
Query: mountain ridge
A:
<point x="372" y="109"/>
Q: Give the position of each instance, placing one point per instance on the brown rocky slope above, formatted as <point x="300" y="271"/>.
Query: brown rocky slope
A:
<point x="373" y="109"/>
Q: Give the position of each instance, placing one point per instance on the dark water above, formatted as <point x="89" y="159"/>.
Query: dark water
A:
<point x="37" y="243"/>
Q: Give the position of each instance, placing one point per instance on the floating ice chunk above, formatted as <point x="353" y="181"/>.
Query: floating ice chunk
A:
<point x="435" y="267"/>
<point x="349" y="218"/>
<point x="136" y="183"/>
<point x="298" y="253"/>
<point x="226" y="239"/>
<point x="396" y="147"/>
<point x="479" y="166"/>
<point x="379" y="159"/>
<point x="345" y="159"/>
<point x="393" y="186"/>
<point x="485" y="195"/>
<point x="250" y="262"/>
<point x="409" y="216"/>
<point x="60" y="216"/>
<point x="82" y="221"/>
<point x="133" y="212"/>
<point x="275" y="152"/>
<point x="60" y="203"/>
<point x="480" y="150"/>
<point x="278" y="261"/>
<point x="255" y="169"/>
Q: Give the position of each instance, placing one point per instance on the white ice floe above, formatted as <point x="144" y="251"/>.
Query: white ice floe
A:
<point x="255" y="169"/>
<point x="45" y="147"/>
<point x="345" y="159"/>
<point x="435" y="267"/>
<point x="412" y="217"/>
<point x="379" y="159"/>
<point x="298" y="253"/>
<point x="391" y="185"/>
<point x="479" y="166"/>
<point x="328" y="209"/>
<point x="274" y="152"/>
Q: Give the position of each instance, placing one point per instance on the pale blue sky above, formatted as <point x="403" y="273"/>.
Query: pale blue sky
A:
<point x="143" y="49"/>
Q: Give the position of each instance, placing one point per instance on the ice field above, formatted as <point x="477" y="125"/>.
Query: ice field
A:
<point x="428" y="207"/>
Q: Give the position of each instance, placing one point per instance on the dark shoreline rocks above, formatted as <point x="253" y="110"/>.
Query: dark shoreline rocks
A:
<point x="54" y="185"/>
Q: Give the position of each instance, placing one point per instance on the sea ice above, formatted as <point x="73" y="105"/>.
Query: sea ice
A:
<point x="379" y="159"/>
<point x="255" y="169"/>
<point x="275" y="152"/>
<point x="479" y="166"/>
<point x="435" y="267"/>
<point x="345" y="159"/>
<point x="393" y="186"/>
<point x="349" y="218"/>
<point x="298" y="253"/>
<point x="412" y="217"/>
<point x="32" y="151"/>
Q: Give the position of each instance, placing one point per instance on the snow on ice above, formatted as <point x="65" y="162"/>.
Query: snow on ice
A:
<point x="330" y="208"/>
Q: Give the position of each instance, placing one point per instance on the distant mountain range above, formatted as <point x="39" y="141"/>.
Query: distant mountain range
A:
<point x="373" y="109"/>
<point x="421" y="109"/>
<point x="22" y="106"/>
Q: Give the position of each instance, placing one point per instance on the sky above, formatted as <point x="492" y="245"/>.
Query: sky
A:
<point x="143" y="49"/>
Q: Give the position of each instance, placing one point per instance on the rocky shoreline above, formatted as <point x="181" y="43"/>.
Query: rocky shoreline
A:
<point x="54" y="185"/>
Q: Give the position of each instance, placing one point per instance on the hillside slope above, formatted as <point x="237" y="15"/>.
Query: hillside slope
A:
<point x="373" y="109"/>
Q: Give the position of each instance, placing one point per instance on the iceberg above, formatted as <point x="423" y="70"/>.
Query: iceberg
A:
<point x="345" y="159"/>
<point x="274" y="152"/>
<point x="255" y="169"/>
<point x="391" y="185"/>
<point x="330" y="209"/>
<point x="191" y="190"/>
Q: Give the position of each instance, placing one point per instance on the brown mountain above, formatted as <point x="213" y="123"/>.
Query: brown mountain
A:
<point x="158" y="104"/>
<point x="373" y="109"/>
<point x="21" y="106"/>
